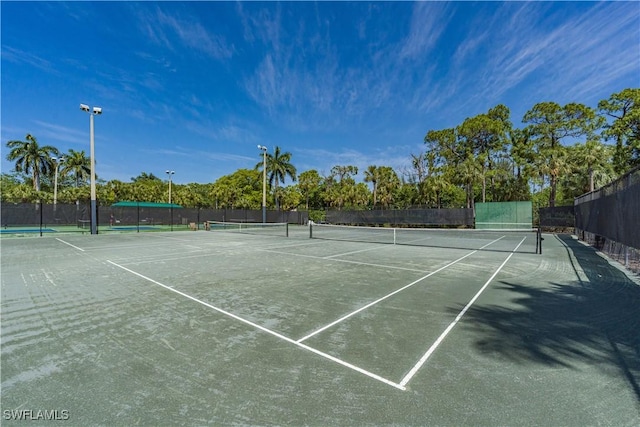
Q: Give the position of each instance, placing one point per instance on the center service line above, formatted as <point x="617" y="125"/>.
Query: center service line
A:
<point x="335" y="322"/>
<point x="262" y="328"/>
<point x="442" y="336"/>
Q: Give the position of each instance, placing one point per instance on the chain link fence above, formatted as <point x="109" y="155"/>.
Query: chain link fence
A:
<point x="34" y="217"/>
<point x="609" y="219"/>
<point x="558" y="219"/>
<point x="408" y="217"/>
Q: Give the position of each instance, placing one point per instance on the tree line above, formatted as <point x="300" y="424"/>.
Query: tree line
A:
<point x="560" y="153"/>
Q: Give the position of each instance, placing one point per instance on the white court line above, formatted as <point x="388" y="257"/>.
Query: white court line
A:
<point x="163" y="258"/>
<point x="136" y="245"/>
<point x="262" y="328"/>
<point x="280" y="246"/>
<point x="67" y="243"/>
<point x="442" y="336"/>
<point x="335" y="322"/>
<point x="199" y="254"/>
<point x="355" y="252"/>
<point x="369" y="264"/>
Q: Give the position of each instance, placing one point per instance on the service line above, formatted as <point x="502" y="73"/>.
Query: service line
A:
<point x="442" y="336"/>
<point x="368" y="264"/>
<point x="354" y="252"/>
<point x="262" y="328"/>
<point x="345" y="317"/>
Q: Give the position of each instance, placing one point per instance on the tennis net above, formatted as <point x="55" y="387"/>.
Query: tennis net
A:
<point x="269" y="228"/>
<point x="503" y="240"/>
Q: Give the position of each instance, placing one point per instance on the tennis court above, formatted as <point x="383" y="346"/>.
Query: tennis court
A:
<point x="221" y="327"/>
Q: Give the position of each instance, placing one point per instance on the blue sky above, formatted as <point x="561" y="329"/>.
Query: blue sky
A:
<point x="195" y="86"/>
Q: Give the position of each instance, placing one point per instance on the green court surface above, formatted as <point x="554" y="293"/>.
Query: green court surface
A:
<point x="223" y="328"/>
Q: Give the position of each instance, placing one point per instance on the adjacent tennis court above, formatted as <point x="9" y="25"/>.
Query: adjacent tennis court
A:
<point x="244" y="326"/>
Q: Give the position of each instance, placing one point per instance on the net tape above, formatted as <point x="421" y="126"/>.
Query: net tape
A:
<point x="269" y="228"/>
<point x="502" y="240"/>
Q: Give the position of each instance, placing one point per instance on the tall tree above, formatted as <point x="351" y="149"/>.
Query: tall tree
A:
<point x="388" y="185"/>
<point x="591" y="166"/>
<point x="241" y="189"/>
<point x="340" y="186"/>
<point x="77" y="164"/>
<point x="372" y="175"/>
<point x="549" y="124"/>
<point x="624" y="108"/>
<point x="279" y="166"/>
<point x="522" y="156"/>
<point x="483" y="138"/>
<point x="291" y="197"/>
<point x="458" y="164"/>
<point x="310" y="183"/>
<point x="144" y="176"/>
<point x="31" y="158"/>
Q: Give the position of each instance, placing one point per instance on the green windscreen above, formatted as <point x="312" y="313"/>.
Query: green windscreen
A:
<point x="503" y="215"/>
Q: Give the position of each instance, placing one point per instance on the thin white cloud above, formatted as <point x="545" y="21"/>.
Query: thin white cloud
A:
<point x="233" y="130"/>
<point x="226" y="157"/>
<point x="19" y="56"/>
<point x="428" y="22"/>
<point x="537" y="51"/>
<point x="47" y="131"/>
<point x="201" y="154"/>
<point x="307" y="84"/>
<point x="173" y="32"/>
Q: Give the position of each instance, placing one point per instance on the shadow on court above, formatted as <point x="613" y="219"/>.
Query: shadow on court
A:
<point x="593" y="320"/>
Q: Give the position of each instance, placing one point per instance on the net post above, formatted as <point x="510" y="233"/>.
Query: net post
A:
<point x="394" y="235"/>
<point x="286" y="229"/>
<point x="626" y="256"/>
<point x="539" y="240"/>
<point x="311" y="229"/>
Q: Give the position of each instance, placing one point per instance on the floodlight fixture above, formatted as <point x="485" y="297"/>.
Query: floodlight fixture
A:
<point x="264" y="182"/>
<point x="168" y="172"/>
<point x="94" y="207"/>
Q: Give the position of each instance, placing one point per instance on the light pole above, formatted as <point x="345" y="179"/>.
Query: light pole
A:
<point x="264" y="182"/>
<point x="94" y="208"/>
<point x="58" y="160"/>
<point x="168" y="172"/>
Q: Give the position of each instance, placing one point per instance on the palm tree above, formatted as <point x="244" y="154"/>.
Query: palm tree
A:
<point x="388" y="185"/>
<point x="32" y="158"/>
<point x="595" y="157"/>
<point x="144" y="176"/>
<point x="278" y="167"/>
<point x="77" y="164"/>
<point x="372" y="175"/>
<point x="309" y="184"/>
